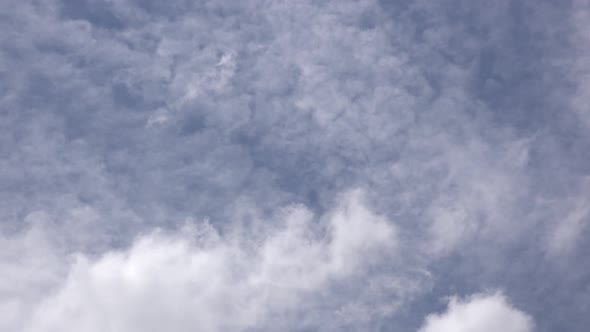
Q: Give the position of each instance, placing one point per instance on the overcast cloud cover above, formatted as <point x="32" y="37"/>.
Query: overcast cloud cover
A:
<point x="351" y="165"/>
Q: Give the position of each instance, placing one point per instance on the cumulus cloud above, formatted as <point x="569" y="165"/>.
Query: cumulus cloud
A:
<point x="293" y="275"/>
<point x="479" y="313"/>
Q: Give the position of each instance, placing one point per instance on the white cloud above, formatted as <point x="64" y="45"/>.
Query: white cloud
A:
<point x="199" y="279"/>
<point x="479" y="313"/>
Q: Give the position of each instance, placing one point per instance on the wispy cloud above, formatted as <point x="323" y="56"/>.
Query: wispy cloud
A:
<point x="360" y="159"/>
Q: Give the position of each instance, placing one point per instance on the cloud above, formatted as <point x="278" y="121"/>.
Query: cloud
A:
<point x="299" y="274"/>
<point x="573" y="217"/>
<point x="481" y="313"/>
<point x="464" y="124"/>
<point x="580" y="64"/>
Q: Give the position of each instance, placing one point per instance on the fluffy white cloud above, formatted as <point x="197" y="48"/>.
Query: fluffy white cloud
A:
<point x="479" y="313"/>
<point x="304" y="271"/>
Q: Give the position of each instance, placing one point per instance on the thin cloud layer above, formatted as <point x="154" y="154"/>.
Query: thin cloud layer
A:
<point x="464" y="125"/>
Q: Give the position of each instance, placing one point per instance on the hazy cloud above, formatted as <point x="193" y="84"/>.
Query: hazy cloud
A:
<point x="356" y="160"/>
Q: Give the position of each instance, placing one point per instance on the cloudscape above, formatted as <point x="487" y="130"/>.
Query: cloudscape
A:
<point x="312" y="165"/>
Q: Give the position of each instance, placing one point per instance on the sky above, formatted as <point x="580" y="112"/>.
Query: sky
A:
<point x="312" y="165"/>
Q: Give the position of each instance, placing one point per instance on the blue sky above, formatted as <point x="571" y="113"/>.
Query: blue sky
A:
<point x="294" y="165"/>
